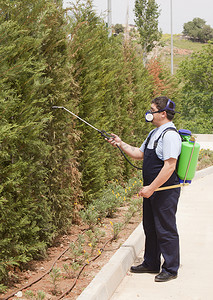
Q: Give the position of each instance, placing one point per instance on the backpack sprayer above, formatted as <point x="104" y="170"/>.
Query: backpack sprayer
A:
<point x="187" y="161"/>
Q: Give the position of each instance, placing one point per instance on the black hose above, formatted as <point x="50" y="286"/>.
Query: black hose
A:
<point x="128" y="159"/>
<point x="108" y="136"/>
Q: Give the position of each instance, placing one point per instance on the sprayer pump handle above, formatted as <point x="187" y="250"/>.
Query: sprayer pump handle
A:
<point x="106" y="134"/>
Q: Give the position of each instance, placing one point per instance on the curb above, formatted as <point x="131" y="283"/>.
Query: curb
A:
<point x="110" y="276"/>
<point x="203" y="173"/>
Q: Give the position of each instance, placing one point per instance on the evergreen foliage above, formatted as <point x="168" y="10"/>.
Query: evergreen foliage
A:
<point x="115" y="89"/>
<point x="118" y="28"/>
<point x="36" y="195"/>
<point x="195" y="74"/>
<point x="165" y="85"/>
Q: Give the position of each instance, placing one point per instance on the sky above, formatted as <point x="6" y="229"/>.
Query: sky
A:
<point x="183" y="11"/>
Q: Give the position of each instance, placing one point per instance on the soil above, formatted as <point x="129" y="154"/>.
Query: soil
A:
<point x="101" y="256"/>
<point x="166" y="50"/>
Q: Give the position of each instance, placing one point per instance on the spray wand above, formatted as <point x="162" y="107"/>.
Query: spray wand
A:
<point x="102" y="132"/>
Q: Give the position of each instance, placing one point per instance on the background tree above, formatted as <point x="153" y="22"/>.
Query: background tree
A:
<point x="197" y="30"/>
<point x="197" y="100"/>
<point x="147" y="14"/>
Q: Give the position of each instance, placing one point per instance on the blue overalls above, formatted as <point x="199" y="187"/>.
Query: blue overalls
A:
<point x="159" y="221"/>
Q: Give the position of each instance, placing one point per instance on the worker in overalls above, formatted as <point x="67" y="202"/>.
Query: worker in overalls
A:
<point x="159" y="153"/>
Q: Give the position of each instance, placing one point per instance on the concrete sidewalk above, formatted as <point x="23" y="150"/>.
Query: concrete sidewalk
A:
<point x="205" y="141"/>
<point x="195" y="224"/>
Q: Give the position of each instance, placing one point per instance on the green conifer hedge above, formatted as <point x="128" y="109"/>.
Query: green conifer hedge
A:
<point x="39" y="175"/>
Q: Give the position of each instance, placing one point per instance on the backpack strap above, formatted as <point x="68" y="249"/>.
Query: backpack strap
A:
<point x="162" y="134"/>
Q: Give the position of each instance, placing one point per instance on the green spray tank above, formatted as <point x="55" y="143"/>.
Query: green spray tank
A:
<point x="188" y="159"/>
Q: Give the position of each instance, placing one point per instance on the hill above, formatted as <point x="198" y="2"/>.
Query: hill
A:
<point x="181" y="49"/>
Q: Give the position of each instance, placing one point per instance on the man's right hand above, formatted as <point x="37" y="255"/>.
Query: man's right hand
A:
<point x="115" y="140"/>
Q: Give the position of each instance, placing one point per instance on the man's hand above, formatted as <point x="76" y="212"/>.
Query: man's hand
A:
<point x="115" y="140"/>
<point x="146" y="192"/>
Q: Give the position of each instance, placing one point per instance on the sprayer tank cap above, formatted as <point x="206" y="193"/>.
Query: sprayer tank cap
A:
<point x="185" y="132"/>
<point x="192" y="139"/>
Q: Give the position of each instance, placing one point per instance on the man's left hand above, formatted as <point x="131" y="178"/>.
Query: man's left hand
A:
<point x="146" y="192"/>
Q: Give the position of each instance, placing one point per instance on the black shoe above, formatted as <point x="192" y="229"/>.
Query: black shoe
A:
<point x="142" y="269"/>
<point x="163" y="277"/>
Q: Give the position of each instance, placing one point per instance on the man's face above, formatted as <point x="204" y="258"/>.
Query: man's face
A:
<point x="155" y="116"/>
<point x="158" y="117"/>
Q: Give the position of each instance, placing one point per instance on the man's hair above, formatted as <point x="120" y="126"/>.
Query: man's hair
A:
<point x="161" y="103"/>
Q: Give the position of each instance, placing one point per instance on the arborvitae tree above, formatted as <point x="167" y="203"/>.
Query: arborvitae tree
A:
<point x="22" y="153"/>
<point x="64" y="177"/>
<point x="42" y="152"/>
<point x="137" y="92"/>
<point x="165" y="85"/>
<point x="114" y="96"/>
<point x="147" y="13"/>
<point x="39" y="176"/>
<point x="96" y="70"/>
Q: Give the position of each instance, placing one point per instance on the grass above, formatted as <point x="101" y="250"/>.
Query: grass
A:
<point x="181" y="43"/>
<point x="163" y="49"/>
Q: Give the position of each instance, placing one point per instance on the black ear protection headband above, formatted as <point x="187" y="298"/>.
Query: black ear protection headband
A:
<point x="169" y="108"/>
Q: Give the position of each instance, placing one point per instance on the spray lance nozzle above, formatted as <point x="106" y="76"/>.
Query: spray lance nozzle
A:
<point x="57" y="107"/>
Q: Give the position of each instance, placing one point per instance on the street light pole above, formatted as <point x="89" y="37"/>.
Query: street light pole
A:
<point x="127" y="22"/>
<point x="171" y="40"/>
<point x="110" y="18"/>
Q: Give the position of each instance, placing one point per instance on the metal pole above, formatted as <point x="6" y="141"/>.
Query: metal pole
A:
<point x="110" y="18"/>
<point x="171" y="40"/>
<point x="127" y="22"/>
<point x="171" y="187"/>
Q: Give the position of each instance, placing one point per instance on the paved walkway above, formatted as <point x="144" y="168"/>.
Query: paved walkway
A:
<point x="205" y="141"/>
<point x="195" y="223"/>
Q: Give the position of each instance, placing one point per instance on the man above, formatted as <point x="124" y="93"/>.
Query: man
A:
<point x="159" y="152"/>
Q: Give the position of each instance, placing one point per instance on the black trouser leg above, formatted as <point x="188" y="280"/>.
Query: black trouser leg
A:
<point x="164" y="206"/>
<point x="152" y="251"/>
